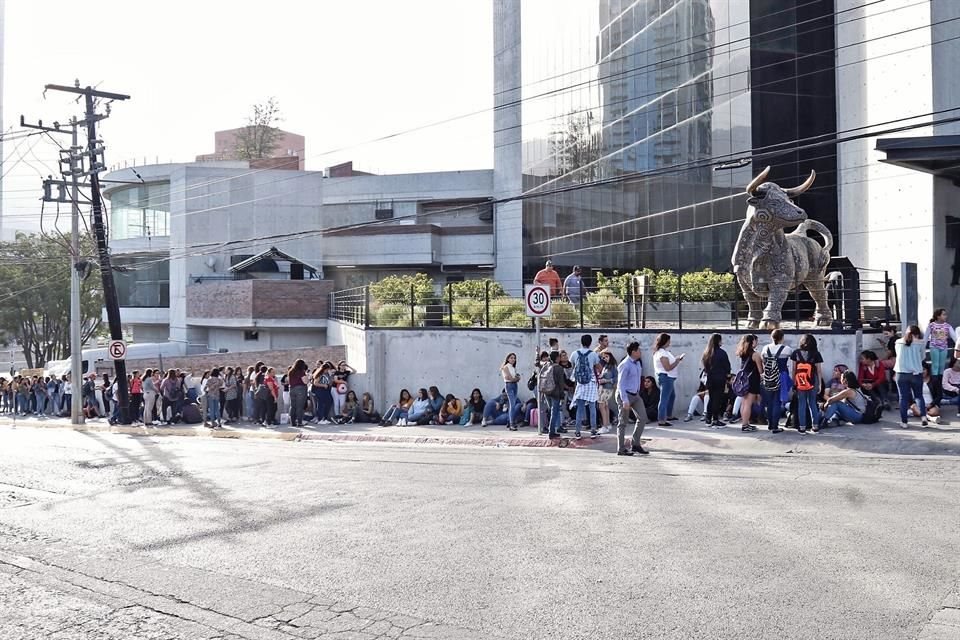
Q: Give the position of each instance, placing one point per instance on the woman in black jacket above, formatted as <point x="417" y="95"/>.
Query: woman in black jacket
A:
<point x="650" y="394"/>
<point x="716" y="364"/>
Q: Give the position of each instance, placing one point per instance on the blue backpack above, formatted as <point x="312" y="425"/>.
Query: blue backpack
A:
<point x="583" y="373"/>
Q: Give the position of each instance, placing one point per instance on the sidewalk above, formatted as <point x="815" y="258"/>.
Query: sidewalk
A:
<point x="884" y="438"/>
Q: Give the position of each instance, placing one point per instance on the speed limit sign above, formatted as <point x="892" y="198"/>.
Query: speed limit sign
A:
<point x="117" y="349"/>
<point x="537" y="299"/>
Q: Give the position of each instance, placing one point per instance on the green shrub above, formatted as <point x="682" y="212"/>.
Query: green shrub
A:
<point x="698" y="286"/>
<point x="505" y="312"/>
<point x="476" y="289"/>
<point x="389" y="315"/>
<point x="562" y="314"/>
<point x="604" y="309"/>
<point x="707" y="286"/>
<point x="469" y="312"/>
<point x="396" y="289"/>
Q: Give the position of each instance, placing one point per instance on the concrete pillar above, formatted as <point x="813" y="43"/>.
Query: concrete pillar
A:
<point x="508" y="150"/>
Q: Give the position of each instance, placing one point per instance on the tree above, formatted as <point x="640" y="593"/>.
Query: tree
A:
<point x="577" y="146"/>
<point x="35" y="297"/>
<point x="260" y="137"/>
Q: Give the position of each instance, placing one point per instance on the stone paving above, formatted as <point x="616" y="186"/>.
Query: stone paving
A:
<point x="51" y="591"/>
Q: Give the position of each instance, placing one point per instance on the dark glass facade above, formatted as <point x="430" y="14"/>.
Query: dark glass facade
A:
<point x="662" y="88"/>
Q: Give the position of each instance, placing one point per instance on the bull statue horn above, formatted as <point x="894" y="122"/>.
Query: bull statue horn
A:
<point x="796" y="191"/>
<point x="757" y="181"/>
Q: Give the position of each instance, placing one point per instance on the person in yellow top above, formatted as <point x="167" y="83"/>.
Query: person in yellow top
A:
<point x="452" y="410"/>
<point x="548" y="276"/>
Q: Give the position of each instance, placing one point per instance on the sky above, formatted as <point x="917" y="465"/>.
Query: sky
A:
<point x="344" y="73"/>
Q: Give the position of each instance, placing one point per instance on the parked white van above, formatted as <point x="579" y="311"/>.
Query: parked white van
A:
<point x="91" y="357"/>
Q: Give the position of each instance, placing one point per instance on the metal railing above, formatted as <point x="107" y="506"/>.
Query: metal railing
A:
<point x="673" y="303"/>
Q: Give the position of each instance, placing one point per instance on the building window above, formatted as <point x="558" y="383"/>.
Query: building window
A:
<point x="251" y="335"/>
<point x="140" y="212"/>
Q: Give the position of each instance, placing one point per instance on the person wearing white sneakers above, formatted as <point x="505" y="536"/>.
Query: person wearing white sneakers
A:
<point x="909" y="372"/>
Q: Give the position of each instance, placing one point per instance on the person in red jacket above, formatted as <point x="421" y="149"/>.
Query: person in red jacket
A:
<point x="872" y="375"/>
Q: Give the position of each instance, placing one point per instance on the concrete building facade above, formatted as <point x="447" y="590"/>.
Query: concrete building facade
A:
<point x="217" y="255"/>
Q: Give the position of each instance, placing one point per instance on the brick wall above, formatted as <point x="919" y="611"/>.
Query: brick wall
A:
<point x="230" y="299"/>
<point x="291" y="298"/>
<point x="280" y="359"/>
<point x="268" y="299"/>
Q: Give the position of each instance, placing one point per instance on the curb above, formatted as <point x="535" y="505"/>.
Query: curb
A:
<point x="232" y="434"/>
<point x="540" y="442"/>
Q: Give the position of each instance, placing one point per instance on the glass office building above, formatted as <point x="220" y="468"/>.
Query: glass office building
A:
<point x="626" y="107"/>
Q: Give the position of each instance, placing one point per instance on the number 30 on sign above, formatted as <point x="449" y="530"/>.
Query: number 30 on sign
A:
<point x="537" y="300"/>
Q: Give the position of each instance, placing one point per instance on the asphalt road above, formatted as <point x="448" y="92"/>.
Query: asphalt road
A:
<point x="112" y="536"/>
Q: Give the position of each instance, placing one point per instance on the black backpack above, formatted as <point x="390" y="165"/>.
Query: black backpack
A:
<point x="873" y="411"/>
<point x="771" y="369"/>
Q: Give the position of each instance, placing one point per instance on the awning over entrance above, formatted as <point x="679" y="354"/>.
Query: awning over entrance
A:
<point x="939" y="155"/>
<point x="263" y="260"/>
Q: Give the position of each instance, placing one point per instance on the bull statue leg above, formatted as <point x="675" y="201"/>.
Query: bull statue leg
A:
<point x="818" y="291"/>
<point x="773" y="313"/>
<point x="755" y="307"/>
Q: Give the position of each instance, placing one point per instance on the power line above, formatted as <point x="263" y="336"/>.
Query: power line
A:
<point x="658" y="65"/>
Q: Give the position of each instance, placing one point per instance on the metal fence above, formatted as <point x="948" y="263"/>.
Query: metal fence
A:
<point x="869" y="297"/>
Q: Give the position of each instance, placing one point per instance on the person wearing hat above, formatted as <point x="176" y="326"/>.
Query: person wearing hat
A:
<point x="573" y="289"/>
<point x="549" y="277"/>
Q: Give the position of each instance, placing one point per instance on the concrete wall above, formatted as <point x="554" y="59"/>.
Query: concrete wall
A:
<point x="457" y="361"/>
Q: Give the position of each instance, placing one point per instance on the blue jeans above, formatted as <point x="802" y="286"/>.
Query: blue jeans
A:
<point x="213" y="407"/>
<point x="910" y="386"/>
<point x="248" y="404"/>
<point x="40" y="399"/>
<point x="773" y="406"/>
<point x="807" y="408"/>
<point x="938" y="361"/>
<point x="492" y="417"/>
<point x="555" y="415"/>
<point x="667" y="396"/>
<point x="511" y="388"/>
<point x="581" y="410"/>
<point x="842" y="411"/>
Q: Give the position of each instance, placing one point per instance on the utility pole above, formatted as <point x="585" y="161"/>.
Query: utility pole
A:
<point x="71" y="164"/>
<point x="96" y="165"/>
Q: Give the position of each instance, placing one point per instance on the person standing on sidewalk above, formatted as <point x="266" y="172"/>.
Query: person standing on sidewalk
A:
<point x="508" y="371"/>
<point x="775" y="377"/>
<point x="149" y="386"/>
<point x="909" y="371"/>
<point x="297" y="378"/>
<point x="807" y="380"/>
<point x="585" y="364"/>
<point x="665" y="365"/>
<point x="716" y="366"/>
<point x="552" y="380"/>
<point x="629" y="381"/>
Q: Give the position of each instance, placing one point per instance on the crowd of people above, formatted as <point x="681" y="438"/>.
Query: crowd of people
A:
<point x="583" y="389"/>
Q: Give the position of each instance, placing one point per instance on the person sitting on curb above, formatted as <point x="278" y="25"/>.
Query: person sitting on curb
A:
<point x="397" y="413"/>
<point x="848" y="404"/>
<point x="452" y="410"/>
<point x="497" y="412"/>
<point x="951" y="385"/>
<point x="420" y="410"/>
<point x="473" y="409"/>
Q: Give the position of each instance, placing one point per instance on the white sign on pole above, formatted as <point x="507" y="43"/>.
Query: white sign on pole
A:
<point x="537" y="300"/>
<point x="117" y="349"/>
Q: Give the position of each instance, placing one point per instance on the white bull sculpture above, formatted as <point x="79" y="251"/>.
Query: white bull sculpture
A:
<point x="769" y="263"/>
